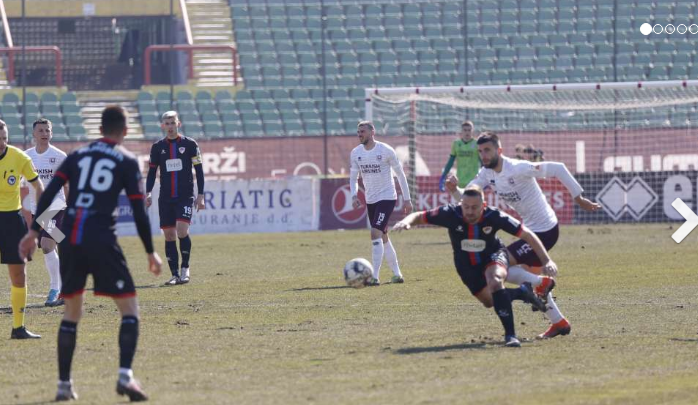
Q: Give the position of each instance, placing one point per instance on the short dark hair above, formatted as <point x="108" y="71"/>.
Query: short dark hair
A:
<point x="473" y="191"/>
<point x="468" y="122"/>
<point x="366" y="124"/>
<point x="488" y="136"/>
<point x="2" y="124"/>
<point x="113" y="120"/>
<point x="42" y="121"/>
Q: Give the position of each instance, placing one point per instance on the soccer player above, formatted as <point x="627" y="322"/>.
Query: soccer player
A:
<point x="96" y="174"/>
<point x="464" y="152"/>
<point x="15" y="164"/>
<point x="374" y="160"/>
<point x="175" y="155"/>
<point x="480" y="258"/>
<point x="515" y="183"/>
<point x="47" y="158"/>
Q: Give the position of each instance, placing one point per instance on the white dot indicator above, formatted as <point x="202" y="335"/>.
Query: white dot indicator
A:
<point x="645" y="29"/>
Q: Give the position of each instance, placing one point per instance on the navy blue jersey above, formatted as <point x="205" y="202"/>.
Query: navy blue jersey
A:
<point x="96" y="175"/>
<point x="175" y="159"/>
<point x="473" y="244"/>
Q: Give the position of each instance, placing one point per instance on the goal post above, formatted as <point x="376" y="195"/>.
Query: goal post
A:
<point x="601" y="131"/>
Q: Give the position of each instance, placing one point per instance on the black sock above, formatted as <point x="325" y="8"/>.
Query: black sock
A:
<point x="517" y="294"/>
<point x="185" y="248"/>
<point x="172" y="256"/>
<point x="67" y="334"/>
<point x="502" y="306"/>
<point x="128" y="339"/>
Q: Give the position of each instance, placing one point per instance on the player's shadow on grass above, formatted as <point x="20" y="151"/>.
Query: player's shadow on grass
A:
<point x="684" y="340"/>
<point x="8" y="310"/>
<point x="334" y="287"/>
<point x="437" y="349"/>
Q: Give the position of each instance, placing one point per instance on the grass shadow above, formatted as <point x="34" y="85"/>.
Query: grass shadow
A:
<point x="437" y="349"/>
<point x="684" y="340"/>
<point x="335" y="287"/>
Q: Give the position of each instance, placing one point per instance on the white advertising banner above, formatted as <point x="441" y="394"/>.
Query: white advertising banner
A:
<point x="239" y="206"/>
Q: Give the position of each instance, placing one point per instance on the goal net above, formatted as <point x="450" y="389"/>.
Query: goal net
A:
<point x="632" y="146"/>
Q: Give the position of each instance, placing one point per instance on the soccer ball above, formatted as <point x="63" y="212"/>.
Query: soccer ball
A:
<point x="357" y="271"/>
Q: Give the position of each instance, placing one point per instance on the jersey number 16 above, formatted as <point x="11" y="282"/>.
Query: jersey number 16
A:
<point x="100" y="179"/>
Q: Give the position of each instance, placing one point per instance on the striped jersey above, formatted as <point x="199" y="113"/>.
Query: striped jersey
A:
<point x="175" y="158"/>
<point x="473" y="244"/>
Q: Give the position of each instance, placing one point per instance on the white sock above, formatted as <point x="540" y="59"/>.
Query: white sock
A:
<point x="377" y="256"/>
<point x="54" y="269"/>
<point x="553" y="313"/>
<point x="391" y="258"/>
<point x="126" y="372"/>
<point x="518" y="275"/>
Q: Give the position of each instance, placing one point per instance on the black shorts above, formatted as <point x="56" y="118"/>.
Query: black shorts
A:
<point x="474" y="276"/>
<point x="172" y="211"/>
<point x="523" y="252"/>
<point x="13" y="229"/>
<point x="55" y="223"/>
<point x="105" y="262"/>
<point x="379" y="214"/>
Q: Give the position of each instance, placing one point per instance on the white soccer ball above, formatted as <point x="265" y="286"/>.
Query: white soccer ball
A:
<point x="357" y="271"/>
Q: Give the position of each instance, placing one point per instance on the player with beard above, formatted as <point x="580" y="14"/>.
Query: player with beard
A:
<point x="480" y="257"/>
<point x="376" y="161"/>
<point x="515" y="183"/>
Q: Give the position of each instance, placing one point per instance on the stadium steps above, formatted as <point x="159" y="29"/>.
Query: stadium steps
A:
<point x="211" y="25"/>
<point x="92" y="114"/>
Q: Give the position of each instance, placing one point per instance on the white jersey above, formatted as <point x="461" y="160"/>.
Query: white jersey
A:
<point x="46" y="165"/>
<point x="376" y="167"/>
<point x="516" y="184"/>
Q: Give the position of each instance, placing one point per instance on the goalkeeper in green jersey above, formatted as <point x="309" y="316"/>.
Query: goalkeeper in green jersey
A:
<point x="464" y="151"/>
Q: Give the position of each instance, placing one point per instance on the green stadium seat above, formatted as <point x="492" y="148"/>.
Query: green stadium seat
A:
<point x="10" y="98"/>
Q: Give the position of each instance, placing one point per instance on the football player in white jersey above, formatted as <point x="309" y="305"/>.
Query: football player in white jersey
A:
<point x="47" y="158"/>
<point x="515" y="183"/>
<point x="376" y="162"/>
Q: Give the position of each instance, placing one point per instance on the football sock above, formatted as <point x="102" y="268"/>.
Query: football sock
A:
<point x="553" y="313"/>
<point x="502" y="306"/>
<point x="516" y="294"/>
<point x="18" y="298"/>
<point x="377" y="256"/>
<point x="53" y="267"/>
<point x="391" y="258"/>
<point x="67" y="335"/>
<point x="185" y="248"/>
<point x="518" y="275"/>
<point x="172" y="256"/>
<point x="128" y="339"/>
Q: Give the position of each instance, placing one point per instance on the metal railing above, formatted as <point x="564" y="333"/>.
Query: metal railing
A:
<point x="11" y="51"/>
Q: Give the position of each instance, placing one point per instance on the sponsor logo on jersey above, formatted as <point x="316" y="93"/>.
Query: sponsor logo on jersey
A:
<point x="459" y="228"/>
<point x="342" y="208"/>
<point x="162" y="151"/>
<point x="473" y="245"/>
<point x="487" y="230"/>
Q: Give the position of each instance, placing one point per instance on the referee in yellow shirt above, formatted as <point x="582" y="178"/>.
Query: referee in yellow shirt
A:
<point x="15" y="164"/>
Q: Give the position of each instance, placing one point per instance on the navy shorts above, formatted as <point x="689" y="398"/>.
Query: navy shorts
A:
<point x="55" y="223"/>
<point x="474" y="276"/>
<point x="106" y="263"/>
<point x="523" y="252"/>
<point x="171" y="211"/>
<point x="14" y="227"/>
<point x="379" y="214"/>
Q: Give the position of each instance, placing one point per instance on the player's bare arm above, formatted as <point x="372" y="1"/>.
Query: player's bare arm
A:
<point x="586" y="204"/>
<point x="415" y="218"/>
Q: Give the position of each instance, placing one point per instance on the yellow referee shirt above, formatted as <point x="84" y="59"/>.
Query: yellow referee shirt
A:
<point x="14" y="164"/>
